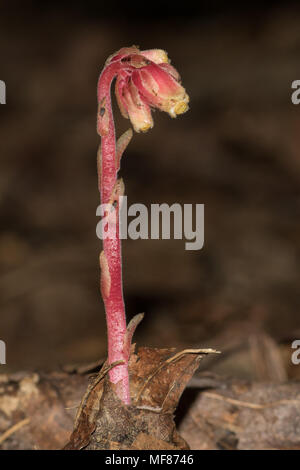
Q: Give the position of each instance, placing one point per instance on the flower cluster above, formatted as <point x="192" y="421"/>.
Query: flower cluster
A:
<point x="147" y="80"/>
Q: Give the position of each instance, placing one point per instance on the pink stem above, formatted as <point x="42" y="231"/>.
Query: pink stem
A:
<point x="112" y="292"/>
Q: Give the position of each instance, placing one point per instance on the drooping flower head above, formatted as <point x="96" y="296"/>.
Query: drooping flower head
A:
<point x="145" y="80"/>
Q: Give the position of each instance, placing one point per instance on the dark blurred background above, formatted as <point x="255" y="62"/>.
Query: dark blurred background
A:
<point x="236" y="151"/>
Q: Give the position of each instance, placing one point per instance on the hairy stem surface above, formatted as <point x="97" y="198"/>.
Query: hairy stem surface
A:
<point x="111" y="258"/>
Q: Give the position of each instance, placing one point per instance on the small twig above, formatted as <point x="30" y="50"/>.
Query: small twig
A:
<point x="246" y="404"/>
<point x="13" y="429"/>
<point x="72" y="407"/>
<point x="150" y="408"/>
<point x="191" y="351"/>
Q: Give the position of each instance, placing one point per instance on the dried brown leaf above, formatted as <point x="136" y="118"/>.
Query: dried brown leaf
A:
<point x="158" y="378"/>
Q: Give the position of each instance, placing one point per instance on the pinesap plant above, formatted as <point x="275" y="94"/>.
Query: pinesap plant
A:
<point x="143" y="80"/>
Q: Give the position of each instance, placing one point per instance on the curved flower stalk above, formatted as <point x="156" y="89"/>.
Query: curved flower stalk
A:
<point x="144" y="80"/>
